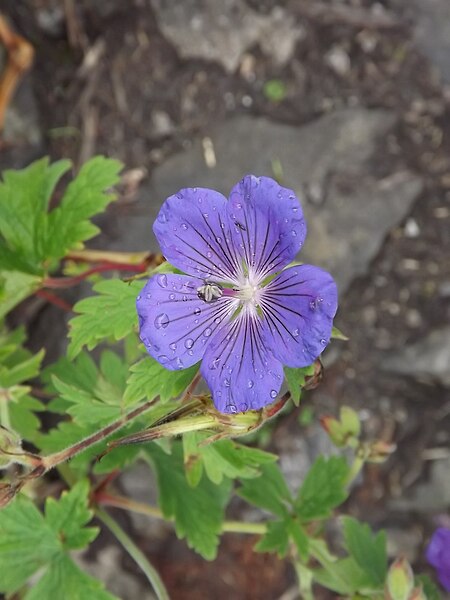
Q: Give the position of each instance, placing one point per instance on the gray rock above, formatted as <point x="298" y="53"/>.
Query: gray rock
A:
<point x="428" y="359"/>
<point x="432" y="496"/>
<point x="348" y="210"/>
<point x="222" y="31"/>
<point x="432" y="32"/>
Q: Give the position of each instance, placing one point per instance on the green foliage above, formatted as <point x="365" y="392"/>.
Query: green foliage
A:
<point x="276" y="539"/>
<point x="296" y="379"/>
<point x="269" y="491"/>
<point x="323" y="489"/>
<point x="430" y="589"/>
<point x="149" y="379"/>
<point x="368" y="550"/>
<point x="343" y="577"/>
<point x="275" y="90"/>
<point x="109" y="314"/>
<point x="17" y="366"/>
<point x="198" y="512"/>
<point x="224" y="458"/>
<point x="31" y="542"/>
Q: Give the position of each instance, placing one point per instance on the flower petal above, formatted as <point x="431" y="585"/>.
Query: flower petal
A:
<point x="193" y="232"/>
<point x="174" y="323"/>
<point x="269" y="228"/>
<point x="239" y="371"/>
<point x="298" y="307"/>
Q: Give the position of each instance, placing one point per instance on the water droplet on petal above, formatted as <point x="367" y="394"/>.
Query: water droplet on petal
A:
<point x="273" y="394"/>
<point x="293" y="233"/>
<point x="171" y="296"/>
<point x="162" y="321"/>
<point x="163" y="358"/>
<point x="215" y="363"/>
<point x="217" y="320"/>
<point x="250" y="383"/>
<point x="184" y="226"/>
<point x="189" y="343"/>
<point x="205" y="215"/>
<point x="139" y="297"/>
<point x="218" y="239"/>
<point x="162" y="280"/>
<point x="173" y="346"/>
<point x="243" y="407"/>
<point x="296" y="333"/>
<point x="179" y="363"/>
<point x="197" y="311"/>
<point x="323" y="342"/>
<point x="231" y="408"/>
<point x="226" y="382"/>
<point x="207" y="332"/>
<point x="162" y="218"/>
<point x="148" y="296"/>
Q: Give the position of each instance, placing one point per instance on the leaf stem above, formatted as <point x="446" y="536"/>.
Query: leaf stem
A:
<point x="137" y="554"/>
<point x="117" y="501"/>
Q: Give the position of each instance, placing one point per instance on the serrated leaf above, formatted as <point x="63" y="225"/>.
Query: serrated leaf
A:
<point x="23" y="371"/>
<point x="30" y="542"/>
<point x="198" y="512"/>
<point x="63" y="579"/>
<point x="368" y="550"/>
<point x="24" y="198"/>
<point x="336" y="334"/>
<point x="269" y="491"/>
<point x="299" y="538"/>
<point x="223" y="458"/>
<point x="276" y="539"/>
<point x="109" y="314"/>
<point x="68" y="223"/>
<point x="323" y="489"/>
<point x="295" y="379"/>
<point x="149" y="379"/>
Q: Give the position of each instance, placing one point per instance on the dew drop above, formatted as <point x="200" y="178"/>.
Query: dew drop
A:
<point x="197" y="311"/>
<point x="179" y="363"/>
<point x="185" y="298"/>
<point x="296" y="333"/>
<point x="218" y="240"/>
<point x="189" y="343"/>
<point x="162" y="218"/>
<point x="209" y="254"/>
<point x="171" y="296"/>
<point x="207" y="332"/>
<point x="323" y="342"/>
<point x="273" y="394"/>
<point x="173" y="346"/>
<point x="226" y="382"/>
<point x="162" y="280"/>
<point x="163" y="358"/>
<point x="293" y="233"/>
<point x="250" y="383"/>
<point x="231" y="408"/>
<point x="162" y="321"/>
<point x="243" y="407"/>
<point x="191" y="352"/>
<point x="148" y="296"/>
<point x="184" y="226"/>
<point x="139" y="297"/>
<point x="217" y="320"/>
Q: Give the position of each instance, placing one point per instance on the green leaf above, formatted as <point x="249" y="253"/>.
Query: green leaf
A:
<point x="15" y="287"/>
<point x="30" y="541"/>
<point x="274" y="90"/>
<point x="323" y="489"/>
<point x="269" y="491"/>
<point x="368" y="550"/>
<point x="24" y="199"/>
<point x="336" y="334"/>
<point x="63" y="579"/>
<point x="295" y="379"/>
<point x="429" y="587"/>
<point x="149" y="379"/>
<point x="69" y="223"/>
<point x="299" y="538"/>
<point x="276" y="539"/>
<point x="223" y="458"/>
<point x="344" y="577"/>
<point x="198" y="512"/>
<point x="109" y="314"/>
<point x="23" y="371"/>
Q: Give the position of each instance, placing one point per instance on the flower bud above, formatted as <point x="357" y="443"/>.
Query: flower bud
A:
<point x="350" y="421"/>
<point x="400" y="580"/>
<point x="417" y="594"/>
<point x="380" y="451"/>
<point x="334" y="429"/>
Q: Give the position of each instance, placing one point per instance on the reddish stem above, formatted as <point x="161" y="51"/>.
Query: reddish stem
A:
<point x="54" y="299"/>
<point x="65" y="282"/>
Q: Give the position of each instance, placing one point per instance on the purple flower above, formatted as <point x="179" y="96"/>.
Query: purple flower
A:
<point x="438" y="555"/>
<point x="238" y="310"/>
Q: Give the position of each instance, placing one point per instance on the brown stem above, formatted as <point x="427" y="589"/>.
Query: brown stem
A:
<point x="52" y="460"/>
<point x="66" y="282"/>
<point x="54" y="299"/>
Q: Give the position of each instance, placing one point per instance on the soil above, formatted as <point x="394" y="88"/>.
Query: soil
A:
<point x="107" y="105"/>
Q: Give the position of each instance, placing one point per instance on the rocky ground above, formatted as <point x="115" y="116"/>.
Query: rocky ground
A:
<point x="349" y="102"/>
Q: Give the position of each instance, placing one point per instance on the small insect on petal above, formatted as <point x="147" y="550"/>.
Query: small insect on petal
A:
<point x="209" y="292"/>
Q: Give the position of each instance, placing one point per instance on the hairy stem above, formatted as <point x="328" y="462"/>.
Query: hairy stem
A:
<point x="135" y="553"/>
